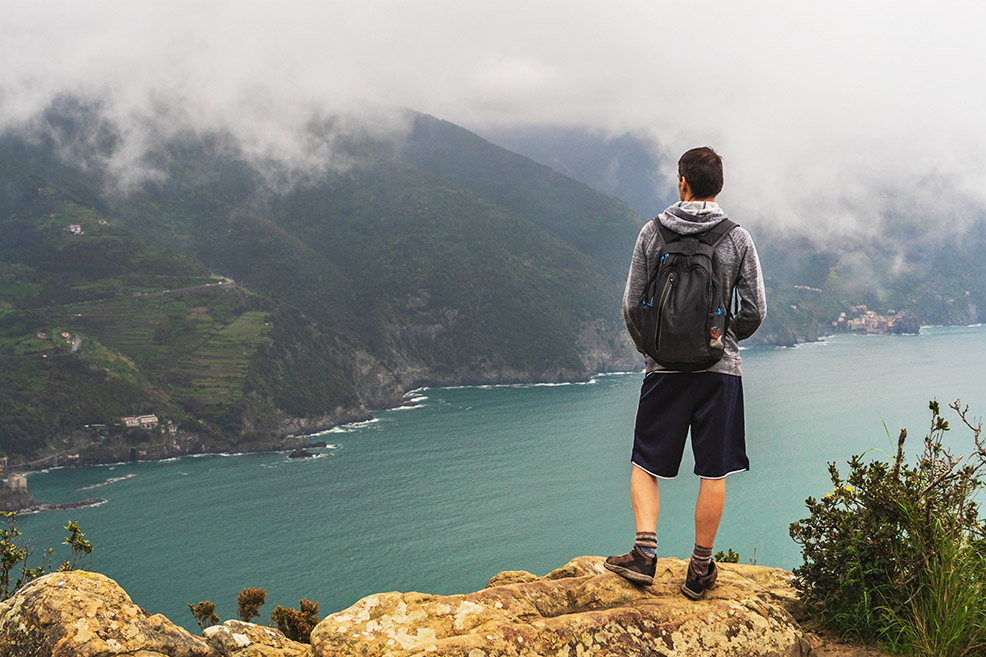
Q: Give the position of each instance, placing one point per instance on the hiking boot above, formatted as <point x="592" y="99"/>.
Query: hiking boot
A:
<point x="634" y="566"/>
<point x="696" y="588"/>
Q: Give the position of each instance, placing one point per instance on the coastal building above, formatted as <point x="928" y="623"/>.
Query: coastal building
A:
<point x="16" y="482"/>
<point x="140" y="420"/>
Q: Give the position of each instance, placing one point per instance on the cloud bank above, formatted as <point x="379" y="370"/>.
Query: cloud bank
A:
<point x="822" y="111"/>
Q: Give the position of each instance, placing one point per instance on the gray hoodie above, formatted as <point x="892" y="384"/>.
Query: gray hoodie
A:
<point x="738" y="261"/>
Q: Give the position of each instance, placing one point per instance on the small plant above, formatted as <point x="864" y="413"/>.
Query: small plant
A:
<point x="81" y="548"/>
<point x="15" y="552"/>
<point x="731" y="556"/>
<point x="205" y="614"/>
<point x="895" y="553"/>
<point x="297" y="625"/>
<point x="249" y="602"/>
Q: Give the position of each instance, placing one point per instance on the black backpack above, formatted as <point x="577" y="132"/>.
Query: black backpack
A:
<point x="685" y="311"/>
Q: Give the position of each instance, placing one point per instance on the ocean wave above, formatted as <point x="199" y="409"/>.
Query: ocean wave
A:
<point x="523" y="386"/>
<point x="352" y="426"/>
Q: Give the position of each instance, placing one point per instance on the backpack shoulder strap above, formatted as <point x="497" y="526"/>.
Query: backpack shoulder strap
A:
<point x="667" y="234"/>
<point x="714" y="235"/>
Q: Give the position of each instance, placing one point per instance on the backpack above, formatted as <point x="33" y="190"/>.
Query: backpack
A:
<point x="685" y="313"/>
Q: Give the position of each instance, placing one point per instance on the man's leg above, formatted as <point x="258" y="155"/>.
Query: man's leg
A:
<point x="646" y="500"/>
<point x="708" y="513"/>
<point x="637" y="565"/>
<point x="708" y="510"/>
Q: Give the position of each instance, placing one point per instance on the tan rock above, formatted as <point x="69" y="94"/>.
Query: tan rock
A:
<point x="238" y="639"/>
<point x="511" y="577"/>
<point x="579" y="609"/>
<point x="84" y="614"/>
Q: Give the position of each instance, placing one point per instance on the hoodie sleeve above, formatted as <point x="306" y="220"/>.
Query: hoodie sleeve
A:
<point x="752" y="296"/>
<point x="636" y="283"/>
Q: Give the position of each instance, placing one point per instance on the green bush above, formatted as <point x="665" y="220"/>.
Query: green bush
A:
<point x="895" y="553"/>
<point x="15" y="552"/>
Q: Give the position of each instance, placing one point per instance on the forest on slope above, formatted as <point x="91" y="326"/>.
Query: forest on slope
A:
<point x="237" y="305"/>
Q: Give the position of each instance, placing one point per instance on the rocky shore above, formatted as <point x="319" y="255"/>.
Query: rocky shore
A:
<point x="578" y="609"/>
<point x="81" y="504"/>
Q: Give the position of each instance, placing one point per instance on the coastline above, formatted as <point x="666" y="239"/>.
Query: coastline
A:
<point x="193" y="446"/>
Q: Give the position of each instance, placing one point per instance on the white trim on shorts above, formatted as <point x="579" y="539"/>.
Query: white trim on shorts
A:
<point x="725" y="475"/>
<point x="636" y="465"/>
<point x="651" y="473"/>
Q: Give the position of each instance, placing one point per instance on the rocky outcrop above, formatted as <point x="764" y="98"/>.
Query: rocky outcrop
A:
<point x="579" y="609"/>
<point x="15" y="500"/>
<point x="238" y="639"/>
<point x="82" y="614"/>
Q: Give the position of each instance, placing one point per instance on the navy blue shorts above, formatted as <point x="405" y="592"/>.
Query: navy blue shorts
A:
<point x="709" y="403"/>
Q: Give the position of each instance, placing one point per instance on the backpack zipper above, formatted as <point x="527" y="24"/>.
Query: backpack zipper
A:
<point x="664" y="297"/>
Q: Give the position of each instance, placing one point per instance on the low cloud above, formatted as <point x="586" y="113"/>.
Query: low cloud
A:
<point x="825" y="113"/>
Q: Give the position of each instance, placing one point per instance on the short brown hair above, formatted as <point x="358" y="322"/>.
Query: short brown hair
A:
<point x="702" y="168"/>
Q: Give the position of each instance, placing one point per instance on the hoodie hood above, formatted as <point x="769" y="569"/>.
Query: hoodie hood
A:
<point x="690" y="217"/>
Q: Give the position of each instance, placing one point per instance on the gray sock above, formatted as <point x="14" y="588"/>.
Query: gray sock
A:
<point x="700" y="562"/>
<point x="646" y="542"/>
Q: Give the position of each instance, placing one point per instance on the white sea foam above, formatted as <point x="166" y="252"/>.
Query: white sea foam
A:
<point x="352" y="426"/>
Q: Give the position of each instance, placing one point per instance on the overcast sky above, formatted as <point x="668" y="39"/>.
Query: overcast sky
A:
<point x="820" y="109"/>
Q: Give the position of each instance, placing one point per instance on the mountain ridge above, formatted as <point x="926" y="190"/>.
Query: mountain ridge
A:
<point x="350" y="289"/>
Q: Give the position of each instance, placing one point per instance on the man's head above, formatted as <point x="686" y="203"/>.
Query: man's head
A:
<point x="699" y="175"/>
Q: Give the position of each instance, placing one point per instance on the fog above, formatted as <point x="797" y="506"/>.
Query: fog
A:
<point x="826" y="114"/>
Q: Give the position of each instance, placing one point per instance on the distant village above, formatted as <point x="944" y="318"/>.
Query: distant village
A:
<point x="12" y="482"/>
<point x="860" y="319"/>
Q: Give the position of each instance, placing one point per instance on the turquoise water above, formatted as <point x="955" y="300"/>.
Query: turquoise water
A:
<point x="440" y="496"/>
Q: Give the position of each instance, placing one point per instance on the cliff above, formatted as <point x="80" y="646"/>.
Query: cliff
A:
<point x="578" y="609"/>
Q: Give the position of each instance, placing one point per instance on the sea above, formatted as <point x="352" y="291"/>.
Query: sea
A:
<point x="441" y="494"/>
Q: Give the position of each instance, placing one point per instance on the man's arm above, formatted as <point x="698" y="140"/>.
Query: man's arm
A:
<point x="636" y="283"/>
<point x="752" y="296"/>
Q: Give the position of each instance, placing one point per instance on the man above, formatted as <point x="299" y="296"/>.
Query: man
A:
<point x="710" y="402"/>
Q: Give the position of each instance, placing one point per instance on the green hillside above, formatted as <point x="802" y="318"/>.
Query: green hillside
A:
<point x="240" y="310"/>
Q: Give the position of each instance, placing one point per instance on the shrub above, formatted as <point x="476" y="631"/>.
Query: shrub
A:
<point x="895" y="553"/>
<point x="80" y="547"/>
<point x="15" y="552"/>
<point x="249" y="602"/>
<point x="205" y="614"/>
<point x="297" y="625"/>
